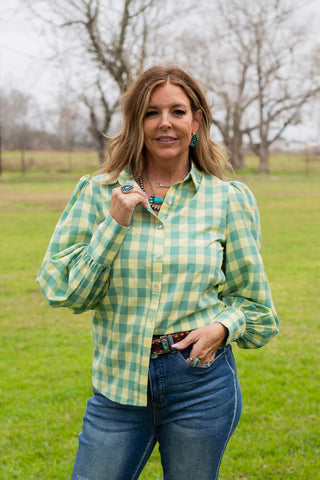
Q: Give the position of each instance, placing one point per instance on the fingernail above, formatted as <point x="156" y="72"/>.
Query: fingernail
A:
<point x="175" y="345"/>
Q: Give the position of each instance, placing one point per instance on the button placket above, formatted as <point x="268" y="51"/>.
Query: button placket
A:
<point x="157" y="263"/>
<point x="156" y="273"/>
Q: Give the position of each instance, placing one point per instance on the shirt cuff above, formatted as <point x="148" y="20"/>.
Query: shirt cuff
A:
<point x="235" y="321"/>
<point x="106" y="241"/>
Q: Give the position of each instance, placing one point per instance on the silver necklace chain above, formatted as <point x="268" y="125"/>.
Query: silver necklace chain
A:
<point x="150" y="184"/>
<point x="161" y="185"/>
<point x="153" y="198"/>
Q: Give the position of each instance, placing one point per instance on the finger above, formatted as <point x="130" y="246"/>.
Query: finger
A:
<point x="129" y="188"/>
<point x="123" y="204"/>
<point x="203" y="355"/>
<point x="194" y="362"/>
<point x="140" y="192"/>
<point x="188" y="340"/>
<point x="197" y="354"/>
<point x="130" y="199"/>
<point x="118" y="191"/>
<point x="144" y="203"/>
<point x="139" y="198"/>
<point x="201" y="360"/>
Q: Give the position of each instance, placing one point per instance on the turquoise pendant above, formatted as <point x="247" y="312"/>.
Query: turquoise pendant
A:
<point x="155" y="200"/>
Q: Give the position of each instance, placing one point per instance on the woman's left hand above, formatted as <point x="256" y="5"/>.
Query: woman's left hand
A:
<point x="206" y="342"/>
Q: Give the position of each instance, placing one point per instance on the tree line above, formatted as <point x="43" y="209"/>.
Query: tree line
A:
<point x="28" y="125"/>
<point x="257" y="61"/>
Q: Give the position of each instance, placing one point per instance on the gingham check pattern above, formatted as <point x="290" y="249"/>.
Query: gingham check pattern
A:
<point x="197" y="262"/>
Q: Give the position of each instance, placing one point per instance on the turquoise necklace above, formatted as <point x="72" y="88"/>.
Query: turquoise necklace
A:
<point x="153" y="199"/>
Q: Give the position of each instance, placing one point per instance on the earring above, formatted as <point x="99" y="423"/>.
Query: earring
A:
<point x="194" y="140"/>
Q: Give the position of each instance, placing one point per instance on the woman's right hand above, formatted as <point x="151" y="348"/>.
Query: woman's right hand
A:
<point x="123" y="204"/>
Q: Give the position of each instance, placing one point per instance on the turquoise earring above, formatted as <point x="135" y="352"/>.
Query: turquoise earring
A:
<point x="194" y="140"/>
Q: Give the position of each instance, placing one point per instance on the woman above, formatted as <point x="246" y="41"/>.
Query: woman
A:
<point x="166" y="254"/>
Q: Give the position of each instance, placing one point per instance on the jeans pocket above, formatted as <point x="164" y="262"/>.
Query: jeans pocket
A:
<point x="185" y="354"/>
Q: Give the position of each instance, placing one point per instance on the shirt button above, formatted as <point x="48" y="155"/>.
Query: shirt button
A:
<point x="150" y="319"/>
<point x="156" y="287"/>
<point x="158" y="255"/>
<point x="160" y="227"/>
<point x="169" y="202"/>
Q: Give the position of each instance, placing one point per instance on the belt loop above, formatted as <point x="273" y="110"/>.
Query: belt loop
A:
<point x="171" y="342"/>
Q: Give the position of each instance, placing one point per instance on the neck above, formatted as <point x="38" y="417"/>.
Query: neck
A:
<point x="167" y="173"/>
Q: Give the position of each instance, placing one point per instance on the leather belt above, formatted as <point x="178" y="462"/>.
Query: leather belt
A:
<point x="160" y="343"/>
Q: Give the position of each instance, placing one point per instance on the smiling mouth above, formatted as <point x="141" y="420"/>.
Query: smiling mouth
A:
<point x="166" y="139"/>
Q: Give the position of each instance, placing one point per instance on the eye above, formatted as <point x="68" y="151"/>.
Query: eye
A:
<point x="179" y="112"/>
<point x="151" y="113"/>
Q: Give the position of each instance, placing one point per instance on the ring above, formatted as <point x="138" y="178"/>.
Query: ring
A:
<point x="126" y="188"/>
<point x="194" y="362"/>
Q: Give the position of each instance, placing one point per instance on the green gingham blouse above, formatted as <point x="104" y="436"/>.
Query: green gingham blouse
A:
<point x="197" y="262"/>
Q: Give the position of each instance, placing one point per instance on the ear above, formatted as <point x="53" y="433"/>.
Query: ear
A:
<point x="197" y="117"/>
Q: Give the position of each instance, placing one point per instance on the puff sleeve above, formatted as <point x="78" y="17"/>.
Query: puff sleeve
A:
<point x="249" y="313"/>
<point x="76" y="268"/>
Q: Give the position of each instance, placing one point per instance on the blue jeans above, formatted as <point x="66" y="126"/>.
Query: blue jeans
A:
<point x="191" y="413"/>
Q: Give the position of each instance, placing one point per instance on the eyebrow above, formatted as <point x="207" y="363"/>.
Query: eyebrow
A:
<point x="177" y="105"/>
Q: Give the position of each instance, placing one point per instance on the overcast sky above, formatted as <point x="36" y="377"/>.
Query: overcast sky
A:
<point x="24" y="56"/>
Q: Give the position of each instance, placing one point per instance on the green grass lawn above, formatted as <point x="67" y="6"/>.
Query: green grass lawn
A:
<point x="45" y="363"/>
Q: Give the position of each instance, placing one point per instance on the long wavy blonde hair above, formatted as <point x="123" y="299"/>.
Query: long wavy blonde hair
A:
<point x="127" y="148"/>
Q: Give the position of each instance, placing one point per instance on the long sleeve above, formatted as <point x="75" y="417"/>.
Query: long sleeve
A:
<point x="249" y="314"/>
<point x="76" y="268"/>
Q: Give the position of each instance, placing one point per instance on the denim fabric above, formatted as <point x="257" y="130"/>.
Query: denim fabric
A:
<point x="191" y="413"/>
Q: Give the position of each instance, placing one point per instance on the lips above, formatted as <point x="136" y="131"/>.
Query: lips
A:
<point x="166" y="139"/>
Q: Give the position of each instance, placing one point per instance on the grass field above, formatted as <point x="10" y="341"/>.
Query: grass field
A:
<point x="45" y="362"/>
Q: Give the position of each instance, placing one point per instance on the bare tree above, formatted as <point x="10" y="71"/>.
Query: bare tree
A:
<point x="68" y="127"/>
<point x="15" y="110"/>
<point x="286" y="80"/>
<point x="258" y="68"/>
<point x="110" y="45"/>
<point x="280" y="78"/>
<point x="230" y="88"/>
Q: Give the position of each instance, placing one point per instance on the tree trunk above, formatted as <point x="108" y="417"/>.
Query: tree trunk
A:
<point x="99" y="138"/>
<point x="235" y="148"/>
<point x="23" y="161"/>
<point x="0" y="148"/>
<point x="263" y="157"/>
<point x="0" y="137"/>
<point x="102" y="147"/>
<point x="23" y="150"/>
<point x="236" y="158"/>
<point x="101" y="156"/>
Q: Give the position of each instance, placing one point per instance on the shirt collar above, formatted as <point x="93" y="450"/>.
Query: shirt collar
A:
<point x="196" y="176"/>
<point x="107" y="178"/>
<point x="126" y="176"/>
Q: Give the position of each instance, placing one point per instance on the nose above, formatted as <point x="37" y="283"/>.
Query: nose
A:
<point x="165" y="121"/>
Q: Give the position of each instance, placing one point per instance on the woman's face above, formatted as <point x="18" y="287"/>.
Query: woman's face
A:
<point x="169" y="124"/>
